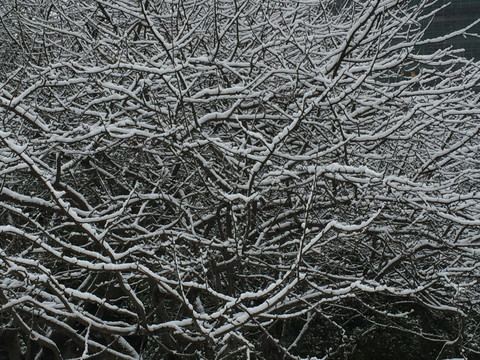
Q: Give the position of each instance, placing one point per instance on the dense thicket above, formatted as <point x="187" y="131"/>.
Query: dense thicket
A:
<point x="235" y="179"/>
